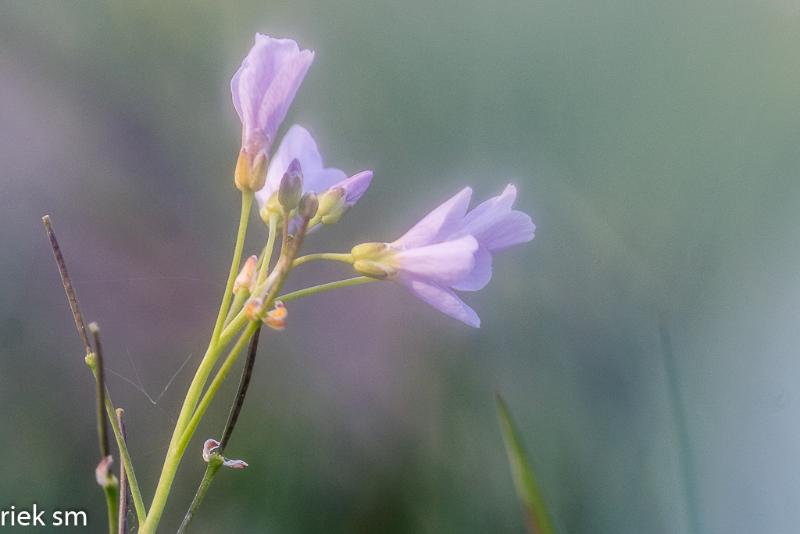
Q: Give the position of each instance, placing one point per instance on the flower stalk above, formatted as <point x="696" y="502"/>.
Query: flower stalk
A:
<point x="216" y="459"/>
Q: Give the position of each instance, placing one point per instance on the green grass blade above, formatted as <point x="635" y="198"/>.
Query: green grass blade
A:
<point x="528" y="491"/>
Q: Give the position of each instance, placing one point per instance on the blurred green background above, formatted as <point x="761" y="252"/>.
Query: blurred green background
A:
<point x="657" y="145"/>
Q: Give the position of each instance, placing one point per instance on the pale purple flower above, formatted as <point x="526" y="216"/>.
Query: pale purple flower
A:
<point x="335" y="190"/>
<point x="449" y="249"/>
<point x="263" y="89"/>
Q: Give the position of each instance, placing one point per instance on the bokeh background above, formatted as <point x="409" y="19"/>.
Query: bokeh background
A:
<point x="657" y="145"/>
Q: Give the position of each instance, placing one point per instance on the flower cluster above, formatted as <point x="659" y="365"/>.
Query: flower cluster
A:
<point x="449" y="249"/>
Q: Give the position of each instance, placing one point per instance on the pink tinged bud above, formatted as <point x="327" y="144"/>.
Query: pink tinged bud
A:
<point x="210" y="448"/>
<point x="264" y="87"/>
<point x="253" y="308"/>
<point x="276" y="318"/>
<point x="246" y="276"/>
<point x="103" y="470"/>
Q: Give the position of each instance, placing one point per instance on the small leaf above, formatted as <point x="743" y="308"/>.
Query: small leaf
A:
<point x="524" y="481"/>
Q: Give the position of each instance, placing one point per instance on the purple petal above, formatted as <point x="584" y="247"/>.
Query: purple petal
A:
<point x="445" y="301"/>
<point x="355" y="187"/>
<point x="298" y="144"/>
<point x="445" y="263"/>
<point x="265" y="85"/>
<point x="440" y="222"/>
<point x="480" y="274"/>
<point x="511" y="229"/>
<point x="495" y="225"/>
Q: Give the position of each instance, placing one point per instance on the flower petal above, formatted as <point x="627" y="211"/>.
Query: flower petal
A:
<point x="355" y="187"/>
<point x="511" y="229"/>
<point x="440" y="222"/>
<point x="445" y="263"/>
<point x="495" y="225"/>
<point x="480" y="274"/>
<point x="298" y="144"/>
<point x="265" y="85"/>
<point x="445" y="301"/>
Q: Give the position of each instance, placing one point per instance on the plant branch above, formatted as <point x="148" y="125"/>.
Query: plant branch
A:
<point x="216" y="461"/>
<point x="67" y="283"/>
<point x="313" y="290"/>
<point x="122" y="519"/>
<point x="330" y="256"/>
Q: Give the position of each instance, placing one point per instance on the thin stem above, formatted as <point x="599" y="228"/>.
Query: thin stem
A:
<point x="219" y="378"/>
<point x="244" y="217"/>
<point x="330" y="256"/>
<point x="217" y="343"/>
<point x="678" y="409"/>
<point x="138" y="503"/>
<point x="109" y="483"/>
<point x="100" y="393"/>
<point x="314" y="290"/>
<point x="216" y="460"/>
<point x="72" y="298"/>
<point x="272" y="233"/>
<point x="211" y="471"/>
<point x="112" y="502"/>
<point x="122" y="518"/>
<point x="244" y="383"/>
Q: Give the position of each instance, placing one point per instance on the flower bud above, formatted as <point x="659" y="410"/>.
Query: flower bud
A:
<point x="246" y="276"/>
<point x="369" y="251"/>
<point x="374" y="269"/>
<point x="276" y="317"/>
<point x="331" y="206"/>
<point x="291" y="186"/>
<point x="308" y="205"/>
<point x="250" y="173"/>
<point x="253" y="307"/>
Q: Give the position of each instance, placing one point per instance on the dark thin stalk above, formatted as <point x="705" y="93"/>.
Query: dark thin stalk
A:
<point x="244" y="382"/>
<point x="233" y="416"/>
<point x="67" y="283"/>
<point x="679" y="414"/>
<point x="100" y="382"/>
<point x="124" y="500"/>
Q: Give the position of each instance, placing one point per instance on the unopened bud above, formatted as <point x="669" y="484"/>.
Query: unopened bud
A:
<point x="369" y="250"/>
<point x="251" y="172"/>
<point x="291" y="186"/>
<point x="253" y="307"/>
<point x="308" y="205"/>
<point x="102" y="472"/>
<point x="331" y="206"/>
<point x="276" y="317"/>
<point x="374" y="269"/>
<point x="247" y="275"/>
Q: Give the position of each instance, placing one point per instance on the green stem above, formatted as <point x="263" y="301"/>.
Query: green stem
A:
<point x="222" y="373"/>
<point x="133" y="484"/>
<point x="217" y="459"/>
<point x="213" y="466"/>
<point x="174" y="453"/>
<point x="247" y="202"/>
<point x="111" y="490"/>
<point x="294" y="295"/>
<point x="330" y="256"/>
<point x="267" y="257"/>
<point x="122" y="515"/>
